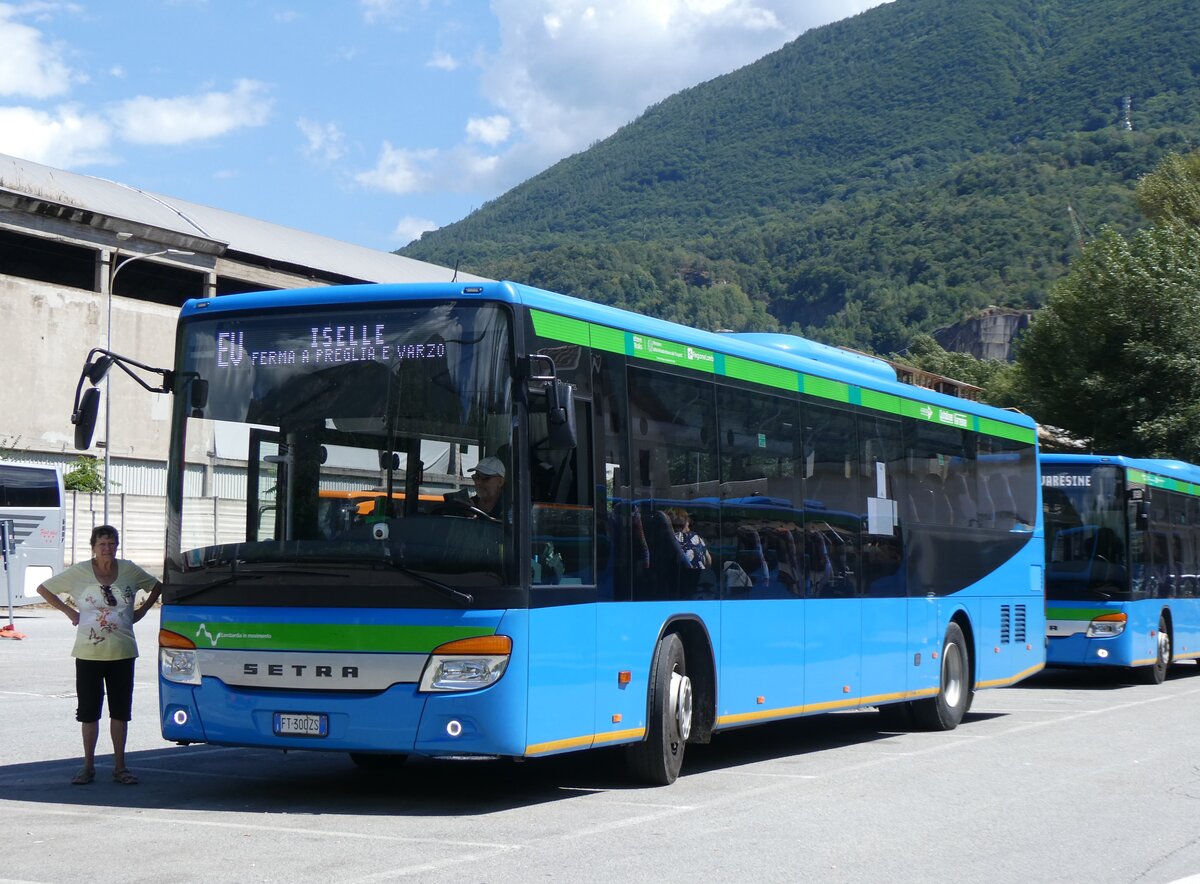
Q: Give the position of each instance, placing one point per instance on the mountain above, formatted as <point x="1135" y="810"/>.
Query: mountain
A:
<point x="875" y="178"/>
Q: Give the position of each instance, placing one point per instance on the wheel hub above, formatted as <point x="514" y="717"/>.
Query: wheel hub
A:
<point x="681" y="702"/>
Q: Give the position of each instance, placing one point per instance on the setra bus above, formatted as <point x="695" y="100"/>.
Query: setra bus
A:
<point x="31" y="502"/>
<point x="862" y="543"/>
<point x="1122" y="562"/>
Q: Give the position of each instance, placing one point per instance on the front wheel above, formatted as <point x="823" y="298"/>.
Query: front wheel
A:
<point x="1157" y="673"/>
<point x="945" y="711"/>
<point x="658" y="758"/>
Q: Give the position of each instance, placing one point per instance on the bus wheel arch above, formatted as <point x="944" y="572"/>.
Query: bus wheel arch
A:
<point x="701" y="666"/>
<point x="956" y="685"/>
<point x="673" y="712"/>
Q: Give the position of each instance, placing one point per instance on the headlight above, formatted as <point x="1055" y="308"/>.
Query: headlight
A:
<point x="177" y="658"/>
<point x="1107" y="626"/>
<point x="178" y="666"/>
<point x="467" y="664"/>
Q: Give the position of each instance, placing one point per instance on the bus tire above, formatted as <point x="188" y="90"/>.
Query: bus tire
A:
<point x="945" y="711"/>
<point x="378" y="761"/>
<point x="896" y="716"/>
<point x="1157" y="673"/>
<point x="657" y="759"/>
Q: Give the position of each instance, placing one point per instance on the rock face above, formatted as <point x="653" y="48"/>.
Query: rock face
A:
<point x="989" y="335"/>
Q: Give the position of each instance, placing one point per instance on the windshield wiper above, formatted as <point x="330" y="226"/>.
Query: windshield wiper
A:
<point x="186" y="592"/>
<point x="463" y="598"/>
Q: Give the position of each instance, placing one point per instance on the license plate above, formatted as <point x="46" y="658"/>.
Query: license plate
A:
<point x="299" y="724"/>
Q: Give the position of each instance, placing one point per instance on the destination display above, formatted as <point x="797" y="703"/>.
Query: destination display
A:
<point x="324" y="344"/>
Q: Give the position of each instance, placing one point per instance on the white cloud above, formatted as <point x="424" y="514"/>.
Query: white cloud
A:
<point x="64" y="137"/>
<point x="490" y="130"/>
<point x="374" y="10"/>
<point x="145" y="120"/>
<point x="399" y="171"/>
<point x="409" y="228"/>
<point x="442" y="61"/>
<point x="325" y="142"/>
<point x="29" y="66"/>
<point x="570" y="72"/>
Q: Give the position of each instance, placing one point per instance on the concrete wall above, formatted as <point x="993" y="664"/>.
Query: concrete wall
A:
<point x="48" y="331"/>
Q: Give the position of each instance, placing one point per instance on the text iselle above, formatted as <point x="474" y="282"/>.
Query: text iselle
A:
<point x="323" y="345"/>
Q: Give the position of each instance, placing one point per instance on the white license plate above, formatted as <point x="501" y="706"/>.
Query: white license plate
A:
<point x="298" y="724"/>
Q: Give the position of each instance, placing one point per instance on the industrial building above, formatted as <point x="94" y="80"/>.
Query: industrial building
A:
<point x="86" y="262"/>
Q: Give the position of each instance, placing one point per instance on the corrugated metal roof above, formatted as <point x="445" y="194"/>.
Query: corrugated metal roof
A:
<point x="239" y="232"/>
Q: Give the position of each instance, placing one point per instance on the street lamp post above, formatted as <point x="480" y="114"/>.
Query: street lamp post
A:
<point x="115" y="268"/>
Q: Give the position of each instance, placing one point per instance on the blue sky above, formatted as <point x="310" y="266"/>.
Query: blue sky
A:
<point x="364" y="120"/>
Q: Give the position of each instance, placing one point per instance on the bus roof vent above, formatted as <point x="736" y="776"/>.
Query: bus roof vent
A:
<point x="835" y="356"/>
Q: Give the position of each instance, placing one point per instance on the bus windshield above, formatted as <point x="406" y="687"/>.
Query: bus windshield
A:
<point x="345" y="440"/>
<point x="1085" y="532"/>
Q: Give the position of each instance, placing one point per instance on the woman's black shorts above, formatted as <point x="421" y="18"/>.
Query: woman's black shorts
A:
<point x="94" y="678"/>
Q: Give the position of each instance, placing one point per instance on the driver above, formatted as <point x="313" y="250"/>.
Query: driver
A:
<point x="489" y="486"/>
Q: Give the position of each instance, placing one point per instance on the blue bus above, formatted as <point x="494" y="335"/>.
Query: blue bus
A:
<point x="1122" y="562"/>
<point x="694" y="532"/>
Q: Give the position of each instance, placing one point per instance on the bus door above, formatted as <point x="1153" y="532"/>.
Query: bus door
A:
<point x="884" y="581"/>
<point x="833" y="506"/>
<point x="562" y="711"/>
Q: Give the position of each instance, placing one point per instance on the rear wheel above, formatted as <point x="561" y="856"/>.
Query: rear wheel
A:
<point x="658" y="758"/>
<point x="1157" y="673"/>
<point x="945" y="711"/>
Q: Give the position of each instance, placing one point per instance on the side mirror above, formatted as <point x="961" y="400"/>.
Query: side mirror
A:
<point x="1143" y="515"/>
<point x="560" y="405"/>
<point x="96" y="371"/>
<point x="84" y="418"/>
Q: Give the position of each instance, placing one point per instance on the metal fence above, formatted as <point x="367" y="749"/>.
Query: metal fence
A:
<point x="142" y="519"/>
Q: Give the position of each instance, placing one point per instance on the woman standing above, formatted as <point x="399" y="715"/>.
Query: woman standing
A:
<point x="104" y="591"/>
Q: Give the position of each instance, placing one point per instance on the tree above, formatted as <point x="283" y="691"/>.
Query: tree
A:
<point x="1114" y="358"/>
<point x="995" y="378"/>
<point x="83" y="475"/>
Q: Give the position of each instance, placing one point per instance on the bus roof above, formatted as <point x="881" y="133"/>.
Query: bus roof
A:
<point x="1172" y="469"/>
<point x="587" y="321"/>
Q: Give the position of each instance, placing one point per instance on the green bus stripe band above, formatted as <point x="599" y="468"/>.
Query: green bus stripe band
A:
<point x="366" y="637"/>
<point x="1140" y="477"/>
<point x="611" y="340"/>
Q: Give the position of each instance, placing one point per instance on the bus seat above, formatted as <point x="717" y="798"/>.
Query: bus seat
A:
<point x="750" y="555"/>
<point x="1006" y="507"/>
<point x="965" y="511"/>
<point x="670" y="572"/>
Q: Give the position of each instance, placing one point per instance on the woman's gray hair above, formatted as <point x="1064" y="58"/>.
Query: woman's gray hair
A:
<point x="104" y="531"/>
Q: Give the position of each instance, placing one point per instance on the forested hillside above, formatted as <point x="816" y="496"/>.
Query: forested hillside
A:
<point x="873" y="179"/>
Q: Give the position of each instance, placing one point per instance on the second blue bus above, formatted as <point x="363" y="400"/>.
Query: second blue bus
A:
<point x="1122" y="562"/>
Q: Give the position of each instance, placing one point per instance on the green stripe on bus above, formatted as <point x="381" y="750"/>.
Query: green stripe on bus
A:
<point x="609" y="339"/>
<point x="648" y="347"/>
<point x="1077" y="613"/>
<point x="368" y="637"/>
<point x="825" y="388"/>
<point x="1007" y="431"/>
<point x="880" y="401"/>
<point x="671" y="353"/>
<point x="561" y="328"/>
<point x="758" y="373"/>
<point x="1141" y="477"/>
